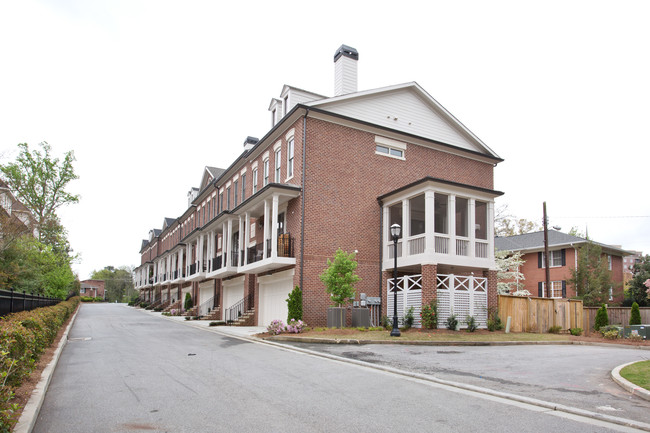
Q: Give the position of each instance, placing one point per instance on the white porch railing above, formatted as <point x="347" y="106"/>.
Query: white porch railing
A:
<point x="416" y="245"/>
<point x="481" y="249"/>
<point x="442" y="245"/>
<point x="462" y="247"/>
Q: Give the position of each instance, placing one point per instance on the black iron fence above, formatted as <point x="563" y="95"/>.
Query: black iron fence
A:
<point x="12" y="301"/>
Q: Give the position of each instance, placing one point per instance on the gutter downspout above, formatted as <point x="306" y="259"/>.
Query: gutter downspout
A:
<point x="381" y="252"/>
<point x="302" y="216"/>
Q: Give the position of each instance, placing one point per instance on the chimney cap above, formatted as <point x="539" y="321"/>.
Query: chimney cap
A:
<point x="251" y="140"/>
<point x="347" y="51"/>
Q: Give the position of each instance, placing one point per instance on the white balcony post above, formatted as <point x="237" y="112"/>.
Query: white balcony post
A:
<point x="274" y="228"/>
<point x="229" y="240"/>
<point x="490" y="229"/>
<point x="386" y="230"/>
<point x="451" y="217"/>
<point x="472" y="227"/>
<point x="267" y="226"/>
<point x="429" y="235"/>
<point x="247" y="236"/>
<point x="406" y="226"/>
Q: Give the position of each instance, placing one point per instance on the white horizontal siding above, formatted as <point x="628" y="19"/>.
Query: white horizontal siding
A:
<point x="404" y="111"/>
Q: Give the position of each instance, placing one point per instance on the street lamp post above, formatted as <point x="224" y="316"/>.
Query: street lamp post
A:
<point x="395" y="230"/>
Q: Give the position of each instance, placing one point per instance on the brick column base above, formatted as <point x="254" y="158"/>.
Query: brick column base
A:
<point x="493" y="301"/>
<point x="429" y="283"/>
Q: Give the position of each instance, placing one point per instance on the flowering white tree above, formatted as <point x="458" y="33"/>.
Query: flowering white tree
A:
<point x="509" y="276"/>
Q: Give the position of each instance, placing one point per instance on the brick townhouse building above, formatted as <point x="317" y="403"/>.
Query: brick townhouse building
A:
<point x="563" y="257"/>
<point x="336" y="172"/>
<point x="93" y="288"/>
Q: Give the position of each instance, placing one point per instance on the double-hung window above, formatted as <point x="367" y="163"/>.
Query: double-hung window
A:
<point x="290" y="158"/>
<point x="228" y="198"/>
<point x="266" y="172"/>
<point x="254" y="180"/>
<point x="243" y="187"/>
<point x="278" y="164"/>
<point x="235" y="191"/>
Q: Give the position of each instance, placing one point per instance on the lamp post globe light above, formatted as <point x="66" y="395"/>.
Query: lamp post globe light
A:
<point x="395" y="231"/>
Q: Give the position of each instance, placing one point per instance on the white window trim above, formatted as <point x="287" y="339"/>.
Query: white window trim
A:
<point x="390" y="144"/>
<point x="254" y="165"/>
<point x="277" y="145"/>
<point x="550" y="257"/>
<point x="293" y="169"/>
<point x="544" y="289"/>
<point x="243" y="171"/>
<point x="265" y="155"/>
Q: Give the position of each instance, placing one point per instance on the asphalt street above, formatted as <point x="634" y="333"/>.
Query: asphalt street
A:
<point x="126" y="371"/>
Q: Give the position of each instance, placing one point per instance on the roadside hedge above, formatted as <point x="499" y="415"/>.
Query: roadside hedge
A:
<point x="24" y="336"/>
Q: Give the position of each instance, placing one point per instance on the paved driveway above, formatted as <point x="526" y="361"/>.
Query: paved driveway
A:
<point x="572" y="375"/>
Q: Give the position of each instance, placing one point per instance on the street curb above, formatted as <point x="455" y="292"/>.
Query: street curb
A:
<point x="32" y="408"/>
<point x="627" y="385"/>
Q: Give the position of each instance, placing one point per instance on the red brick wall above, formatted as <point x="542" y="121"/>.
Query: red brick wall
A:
<point x="344" y="177"/>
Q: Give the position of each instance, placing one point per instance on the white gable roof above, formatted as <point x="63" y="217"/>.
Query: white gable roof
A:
<point x="406" y="108"/>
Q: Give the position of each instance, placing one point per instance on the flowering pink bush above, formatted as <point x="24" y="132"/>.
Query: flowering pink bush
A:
<point x="276" y="327"/>
<point x="294" y="326"/>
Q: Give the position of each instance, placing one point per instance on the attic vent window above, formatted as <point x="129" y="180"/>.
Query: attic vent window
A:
<point x="388" y="147"/>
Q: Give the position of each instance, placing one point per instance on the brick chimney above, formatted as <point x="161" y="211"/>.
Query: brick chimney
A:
<point x="345" y="70"/>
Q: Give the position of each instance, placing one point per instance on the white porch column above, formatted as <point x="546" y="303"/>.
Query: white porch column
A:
<point x="429" y="212"/>
<point x="386" y="230"/>
<point x="451" y="216"/>
<point x="267" y="227"/>
<point x="490" y="229"/>
<point x="224" y="244"/>
<point x="274" y="228"/>
<point x="230" y="252"/>
<point x="247" y="236"/>
<point x="471" y="225"/>
<point x="406" y="226"/>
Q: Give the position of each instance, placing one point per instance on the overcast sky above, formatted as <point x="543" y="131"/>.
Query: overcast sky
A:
<point x="147" y="93"/>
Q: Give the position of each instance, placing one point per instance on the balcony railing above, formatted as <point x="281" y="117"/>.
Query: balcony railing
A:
<point x="192" y="268"/>
<point x="481" y="249"/>
<point x="255" y="253"/>
<point x="442" y="245"/>
<point x="233" y="260"/>
<point x="462" y="247"/>
<point x="216" y="263"/>
<point x="416" y="245"/>
<point x="285" y="245"/>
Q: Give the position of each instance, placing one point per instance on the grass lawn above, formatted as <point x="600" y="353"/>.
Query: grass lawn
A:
<point x="638" y="373"/>
<point x="428" y="335"/>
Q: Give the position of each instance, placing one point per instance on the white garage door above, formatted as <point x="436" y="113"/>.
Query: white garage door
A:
<point x="274" y="291"/>
<point x="233" y="292"/>
<point x="206" y="293"/>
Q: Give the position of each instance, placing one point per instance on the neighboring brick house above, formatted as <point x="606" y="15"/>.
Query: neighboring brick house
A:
<point x="93" y="289"/>
<point x="563" y="256"/>
<point x="15" y="219"/>
<point x="336" y="172"/>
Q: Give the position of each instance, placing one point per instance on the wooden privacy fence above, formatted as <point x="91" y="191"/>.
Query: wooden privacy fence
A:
<point x="528" y="314"/>
<point x="617" y="316"/>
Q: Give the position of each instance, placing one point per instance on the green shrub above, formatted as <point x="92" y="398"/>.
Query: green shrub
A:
<point x="554" y="329"/>
<point x="471" y="324"/>
<point x="408" y="318"/>
<point x="494" y="321"/>
<point x="635" y="315"/>
<point x="576" y="331"/>
<point x="601" y="318"/>
<point x="611" y="335"/>
<point x="188" y="302"/>
<point x="386" y="322"/>
<point x="294" y="304"/>
<point x="609" y="328"/>
<point x="635" y="337"/>
<point x="430" y="315"/>
<point x="23" y="338"/>
<point x="452" y="322"/>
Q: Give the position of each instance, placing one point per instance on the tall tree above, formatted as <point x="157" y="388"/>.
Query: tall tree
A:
<point x="637" y="291"/>
<point x="510" y="279"/>
<point x="505" y="224"/>
<point x="118" y="283"/>
<point x="592" y="277"/>
<point x="40" y="181"/>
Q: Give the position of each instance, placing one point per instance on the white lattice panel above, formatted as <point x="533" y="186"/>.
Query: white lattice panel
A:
<point x="410" y="287"/>
<point x="465" y="296"/>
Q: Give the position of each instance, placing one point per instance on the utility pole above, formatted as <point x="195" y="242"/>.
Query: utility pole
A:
<point x="546" y="264"/>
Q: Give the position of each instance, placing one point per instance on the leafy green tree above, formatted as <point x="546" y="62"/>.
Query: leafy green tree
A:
<point x="592" y="277"/>
<point x="340" y="277"/>
<point x="36" y="268"/>
<point x="40" y="180"/>
<point x="637" y="291"/>
<point x="118" y="282"/>
<point x="635" y="315"/>
<point x="294" y="304"/>
<point x="188" y="302"/>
